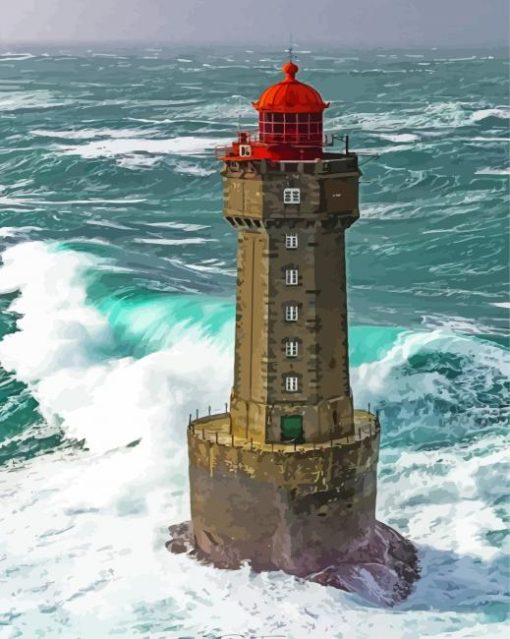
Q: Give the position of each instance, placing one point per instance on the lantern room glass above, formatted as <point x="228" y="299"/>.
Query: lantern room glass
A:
<point x="291" y="128"/>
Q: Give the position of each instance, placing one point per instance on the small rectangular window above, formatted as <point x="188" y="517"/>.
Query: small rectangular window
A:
<point x="244" y="150"/>
<point x="291" y="348"/>
<point x="291" y="384"/>
<point x="291" y="277"/>
<point x="292" y="196"/>
<point x="291" y="241"/>
<point x="291" y="313"/>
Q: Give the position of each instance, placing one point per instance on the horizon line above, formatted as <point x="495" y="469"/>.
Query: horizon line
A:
<point x="258" y="44"/>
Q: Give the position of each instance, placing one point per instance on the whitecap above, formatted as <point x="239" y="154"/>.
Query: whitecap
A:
<point x="13" y="231"/>
<point x="488" y="138"/>
<point x="489" y="171"/>
<point x="172" y="242"/>
<point x="109" y="55"/>
<point x="178" y="225"/>
<point x="37" y="99"/>
<point x="137" y="161"/>
<point x="15" y="57"/>
<point x="186" y="145"/>
<point x="501" y="112"/>
<point x="16" y="202"/>
<point x="400" y="137"/>
<point x="193" y="169"/>
<point x="109" y="225"/>
<point x="89" y="134"/>
<point x="442" y="115"/>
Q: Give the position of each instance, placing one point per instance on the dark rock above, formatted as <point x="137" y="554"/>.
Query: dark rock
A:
<point x="383" y="570"/>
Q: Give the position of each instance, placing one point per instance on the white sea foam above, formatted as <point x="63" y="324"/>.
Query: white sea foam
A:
<point x="203" y="268"/>
<point x="172" y="242"/>
<point x="112" y="148"/>
<point x="138" y="161"/>
<point x="90" y="134"/>
<point x="43" y="352"/>
<point x="15" y="57"/>
<point x="376" y="151"/>
<point x="177" y="225"/>
<point x="230" y="110"/>
<point x="17" y="202"/>
<point x="502" y="112"/>
<point x="485" y="138"/>
<point x="108" y="224"/>
<point x="109" y="55"/>
<point x="13" y="231"/>
<point x="489" y="171"/>
<point x="37" y="99"/>
<point x="400" y="137"/>
<point x="442" y="115"/>
<point x="192" y="169"/>
<point x="84" y="530"/>
<point x="394" y="211"/>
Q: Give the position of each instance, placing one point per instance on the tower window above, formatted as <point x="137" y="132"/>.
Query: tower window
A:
<point x="291" y="313"/>
<point x="291" y="241"/>
<point x="291" y="384"/>
<point x="291" y="348"/>
<point x="244" y="150"/>
<point x="291" y="196"/>
<point x="291" y="276"/>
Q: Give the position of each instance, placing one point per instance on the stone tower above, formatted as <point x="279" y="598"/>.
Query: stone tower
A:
<point x="287" y="478"/>
<point x="290" y="204"/>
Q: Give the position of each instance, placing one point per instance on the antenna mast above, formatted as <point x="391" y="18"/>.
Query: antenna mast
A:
<point x="290" y="50"/>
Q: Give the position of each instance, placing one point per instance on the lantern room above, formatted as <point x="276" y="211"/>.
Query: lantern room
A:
<point x="290" y="123"/>
<point x="290" y="112"/>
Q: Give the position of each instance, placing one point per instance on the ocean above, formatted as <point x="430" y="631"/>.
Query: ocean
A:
<point x="117" y="289"/>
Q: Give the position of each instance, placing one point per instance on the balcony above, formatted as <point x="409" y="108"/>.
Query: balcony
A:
<point x="255" y="145"/>
<point x="217" y="429"/>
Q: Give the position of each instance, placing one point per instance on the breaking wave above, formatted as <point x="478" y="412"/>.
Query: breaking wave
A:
<point x="103" y="504"/>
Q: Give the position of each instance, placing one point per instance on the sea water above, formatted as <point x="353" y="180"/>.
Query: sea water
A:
<point x="117" y="320"/>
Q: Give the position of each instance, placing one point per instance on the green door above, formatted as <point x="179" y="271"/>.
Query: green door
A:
<point x="292" y="428"/>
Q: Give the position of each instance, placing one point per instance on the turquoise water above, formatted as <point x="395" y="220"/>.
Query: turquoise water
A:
<point x="116" y="322"/>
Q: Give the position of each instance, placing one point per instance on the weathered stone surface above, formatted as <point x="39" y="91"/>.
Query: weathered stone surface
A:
<point x="328" y="206"/>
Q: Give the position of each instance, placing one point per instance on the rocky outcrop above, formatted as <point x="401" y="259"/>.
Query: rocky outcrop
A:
<point x="383" y="569"/>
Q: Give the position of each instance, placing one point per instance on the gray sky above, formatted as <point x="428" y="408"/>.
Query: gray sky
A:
<point x="367" y="23"/>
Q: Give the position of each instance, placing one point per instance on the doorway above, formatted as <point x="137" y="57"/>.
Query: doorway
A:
<point x="292" y="428"/>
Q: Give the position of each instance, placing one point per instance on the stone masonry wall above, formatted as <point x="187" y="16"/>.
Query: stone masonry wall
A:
<point x="293" y="511"/>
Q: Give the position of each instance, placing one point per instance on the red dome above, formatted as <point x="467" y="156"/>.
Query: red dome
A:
<point x="291" y="95"/>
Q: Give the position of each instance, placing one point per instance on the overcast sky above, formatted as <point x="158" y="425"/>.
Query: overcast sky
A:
<point x="367" y="23"/>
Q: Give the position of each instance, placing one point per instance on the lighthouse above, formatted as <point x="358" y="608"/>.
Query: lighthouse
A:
<point x="285" y="478"/>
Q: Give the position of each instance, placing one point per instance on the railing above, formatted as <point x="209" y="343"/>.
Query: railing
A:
<point x="256" y="137"/>
<point x="224" y="436"/>
<point x="209" y="414"/>
<point x="339" y="164"/>
<point x="267" y="140"/>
